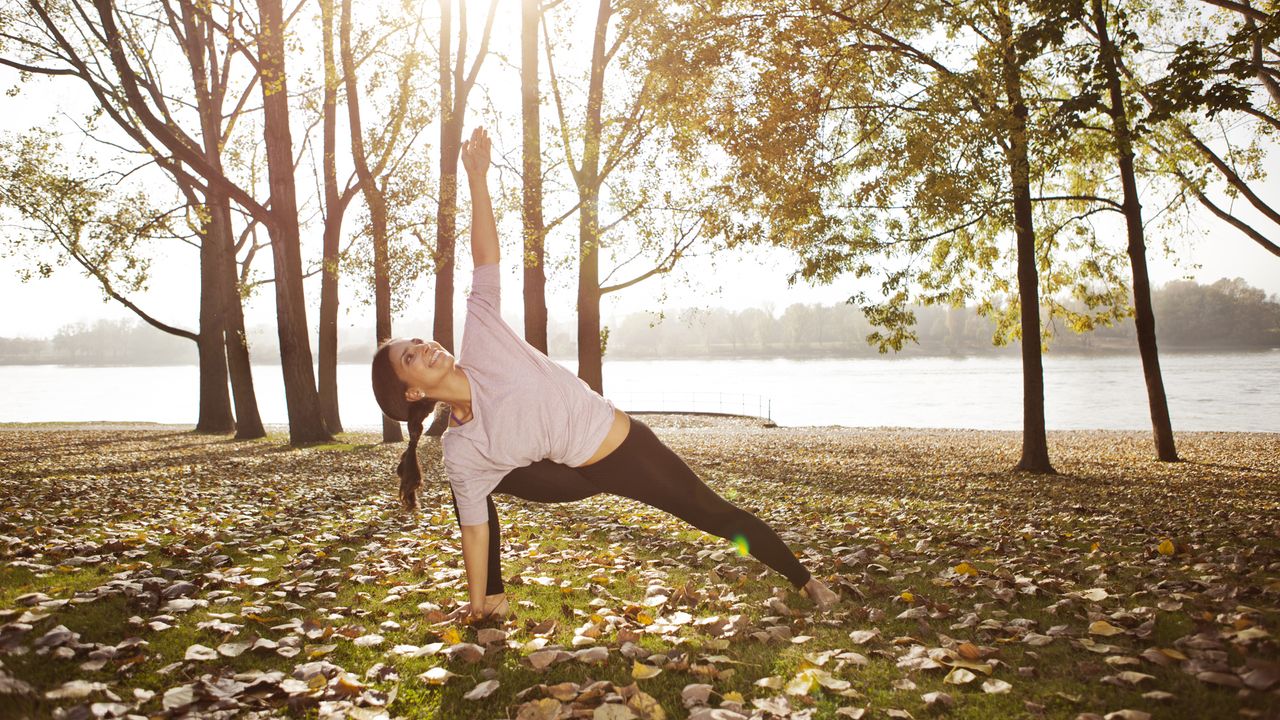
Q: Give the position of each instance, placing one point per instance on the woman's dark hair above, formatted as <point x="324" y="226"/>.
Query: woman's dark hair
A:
<point x="389" y="391"/>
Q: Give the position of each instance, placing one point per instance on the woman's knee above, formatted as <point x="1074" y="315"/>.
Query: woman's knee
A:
<point x="722" y="519"/>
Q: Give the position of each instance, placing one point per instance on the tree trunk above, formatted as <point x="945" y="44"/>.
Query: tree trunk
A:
<point x="447" y="206"/>
<point x="1035" y="445"/>
<point x="1144" y="318"/>
<point x="535" y="278"/>
<point x="248" y="421"/>
<point x="306" y="422"/>
<point x="334" y="210"/>
<point x="209" y="89"/>
<point x="374" y="199"/>
<point x="590" y="354"/>
<point x="215" y="403"/>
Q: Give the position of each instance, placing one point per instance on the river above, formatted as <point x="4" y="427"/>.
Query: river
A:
<point x="1207" y="391"/>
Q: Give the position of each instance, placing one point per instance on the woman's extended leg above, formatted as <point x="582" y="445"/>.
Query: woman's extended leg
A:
<point x="643" y="468"/>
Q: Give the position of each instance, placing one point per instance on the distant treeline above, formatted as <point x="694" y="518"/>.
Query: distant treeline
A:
<point x="1228" y="314"/>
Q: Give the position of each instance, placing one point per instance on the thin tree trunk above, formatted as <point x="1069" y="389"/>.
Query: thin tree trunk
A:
<point x="248" y="420"/>
<point x="1035" y="445"/>
<point x="535" y="278"/>
<point x="306" y="422"/>
<point x="334" y="210"/>
<point x="215" y="402"/>
<point x="1144" y="317"/>
<point x="590" y="353"/>
<point x="374" y="199"/>
<point x="216" y="254"/>
<point x="447" y="205"/>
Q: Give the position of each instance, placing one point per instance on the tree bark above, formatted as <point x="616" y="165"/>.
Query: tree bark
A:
<point x="447" y="205"/>
<point x="215" y="403"/>
<point x="248" y="420"/>
<point x="535" y="278"/>
<point x="217" y="256"/>
<point x="1144" y="317"/>
<point x="334" y="210"/>
<point x="1035" y="445"/>
<point x="455" y="86"/>
<point x="377" y="205"/>
<point x="306" y="422"/>
<point x="590" y="353"/>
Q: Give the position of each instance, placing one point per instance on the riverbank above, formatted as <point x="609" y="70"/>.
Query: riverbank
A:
<point x="187" y="569"/>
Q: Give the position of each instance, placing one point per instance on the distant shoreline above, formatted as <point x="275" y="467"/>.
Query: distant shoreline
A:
<point x="1011" y="351"/>
<point x="655" y="419"/>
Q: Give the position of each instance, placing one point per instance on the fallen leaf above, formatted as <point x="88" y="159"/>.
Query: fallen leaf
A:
<point x="1104" y="628"/>
<point x="200" y="652"/>
<point x="481" y="690"/>
<point x="641" y="671"/>
<point x="436" y="676"/>
<point x="995" y="686"/>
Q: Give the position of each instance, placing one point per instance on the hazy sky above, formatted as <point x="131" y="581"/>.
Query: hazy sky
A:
<point x="39" y="308"/>
<point x="755" y="279"/>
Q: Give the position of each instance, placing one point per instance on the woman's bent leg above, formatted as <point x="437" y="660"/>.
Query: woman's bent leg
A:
<point x="548" y="482"/>
<point x="645" y="469"/>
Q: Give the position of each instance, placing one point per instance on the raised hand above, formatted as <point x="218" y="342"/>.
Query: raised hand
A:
<point x="475" y="154"/>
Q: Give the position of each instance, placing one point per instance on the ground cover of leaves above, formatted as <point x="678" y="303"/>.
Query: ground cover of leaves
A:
<point x="160" y="573"/>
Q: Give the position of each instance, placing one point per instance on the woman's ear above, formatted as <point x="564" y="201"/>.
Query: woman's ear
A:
<point x="413" y="394"/>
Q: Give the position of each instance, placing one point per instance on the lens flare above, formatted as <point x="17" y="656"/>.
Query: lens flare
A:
<point x="740" y="542"/>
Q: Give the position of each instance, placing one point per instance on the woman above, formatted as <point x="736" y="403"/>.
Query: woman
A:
<point x="526" y="426"/>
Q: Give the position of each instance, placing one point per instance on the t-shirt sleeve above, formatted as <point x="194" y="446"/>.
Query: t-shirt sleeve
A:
<point x="472" y="506"/>
<point x="486" y="287"/>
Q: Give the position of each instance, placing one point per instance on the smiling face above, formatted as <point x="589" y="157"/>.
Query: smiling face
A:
<point x="420" y="365"/>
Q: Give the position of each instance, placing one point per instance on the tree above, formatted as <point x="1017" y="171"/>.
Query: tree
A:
<point x="631" y="160"/>
<point x="907" y="143"/>
<point x="1116" y="105"/>
<point x="220" y="297"/>
<point x="534" y="252"/>
<point x="103" y="58"/>
<point x="83" y="220"/>
<point x="306" y="422"/>
<point x="1222" y="65"/>
<point x="335" y="205"/>
<point x="80" y="42"/>
<point x="387" y="146"/>
<point x="456" y="82"/>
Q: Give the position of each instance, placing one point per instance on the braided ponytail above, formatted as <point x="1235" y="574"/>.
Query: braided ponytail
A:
<point x="409" y="471"/>
<point x="389" y="391"/>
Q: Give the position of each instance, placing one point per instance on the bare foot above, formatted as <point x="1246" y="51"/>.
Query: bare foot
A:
<point x="821" y="595"/>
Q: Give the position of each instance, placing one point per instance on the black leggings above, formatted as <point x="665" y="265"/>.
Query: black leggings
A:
<point x="642" y="468"/>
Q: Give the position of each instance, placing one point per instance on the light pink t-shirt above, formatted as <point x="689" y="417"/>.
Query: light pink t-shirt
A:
<point x="525" y="406"/>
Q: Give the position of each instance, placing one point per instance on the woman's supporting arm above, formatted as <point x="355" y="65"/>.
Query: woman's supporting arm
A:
<point x="475" y="558"/>
<point x="484" y="233"/>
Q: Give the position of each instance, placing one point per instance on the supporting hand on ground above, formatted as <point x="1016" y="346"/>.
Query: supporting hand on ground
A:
<point x="495" y="608"/>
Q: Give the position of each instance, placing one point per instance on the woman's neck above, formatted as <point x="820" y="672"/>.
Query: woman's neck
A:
<point x="455" y="390"/>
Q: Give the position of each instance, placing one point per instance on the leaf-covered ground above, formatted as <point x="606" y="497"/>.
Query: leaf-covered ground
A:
<point x="161" y="573"/>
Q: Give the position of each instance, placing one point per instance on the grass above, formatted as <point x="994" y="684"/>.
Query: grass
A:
<point x="879" y="512"/>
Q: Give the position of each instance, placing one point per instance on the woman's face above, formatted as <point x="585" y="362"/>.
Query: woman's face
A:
<point x="420" y="365"/>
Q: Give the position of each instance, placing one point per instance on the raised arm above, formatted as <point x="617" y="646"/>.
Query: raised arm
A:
<point x="484" y="234"/>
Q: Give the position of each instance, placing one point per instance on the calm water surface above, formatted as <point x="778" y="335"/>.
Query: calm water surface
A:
<point x="1228" y="391"/>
